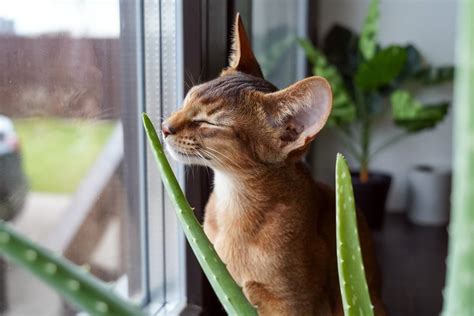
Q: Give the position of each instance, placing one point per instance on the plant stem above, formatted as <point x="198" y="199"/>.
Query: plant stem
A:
<point x="348" y="141"/>
<point x="389" y="142"/>
<point x="365" y="135"/>
<point x="364" y="163"/>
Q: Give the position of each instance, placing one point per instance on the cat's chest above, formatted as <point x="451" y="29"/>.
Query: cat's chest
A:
<point x="245" y="259"/>
<point x="235" y="240"/>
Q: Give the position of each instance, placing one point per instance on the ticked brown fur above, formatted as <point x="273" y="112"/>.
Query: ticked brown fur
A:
<point x="269" y="221"/>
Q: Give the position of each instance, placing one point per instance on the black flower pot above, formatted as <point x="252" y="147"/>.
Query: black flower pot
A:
<point x="371" y="196"/>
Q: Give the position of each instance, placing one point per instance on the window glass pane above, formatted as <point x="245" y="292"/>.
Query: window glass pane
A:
<point x="163" y="66"/>
<point x="63" y="175"/>
<point x="276" y="24"/>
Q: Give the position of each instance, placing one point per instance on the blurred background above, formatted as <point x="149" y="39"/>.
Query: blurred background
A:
<point x="74" y="171"/>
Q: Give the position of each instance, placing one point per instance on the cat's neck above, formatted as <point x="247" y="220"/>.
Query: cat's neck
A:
<point x="253" y="189"/>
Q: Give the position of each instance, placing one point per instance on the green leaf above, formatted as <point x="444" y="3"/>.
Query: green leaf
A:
<point x="350" y="266"/>
<point x="435" y="75"/>
<point x="340" y="45"/>
<point x="228" y="292"/>
<point x="367" y="41"/>
<point x="411" y="115"/>
<point x="343" y="109"/>
<point x="311" y="52"/>
<point x="72" y="282"/>
<point x="459" y="291"/>
<point x="382" y="69"/>
<point x="413" y="64"/>
<point x="275" y="52"/>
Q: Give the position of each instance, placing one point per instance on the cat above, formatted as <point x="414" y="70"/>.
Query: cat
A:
<point x="268" y="220"/>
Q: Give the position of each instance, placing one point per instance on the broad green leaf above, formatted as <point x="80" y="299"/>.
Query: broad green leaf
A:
<point x="340" y="46"/>
<point x="413" y="64"/>
<point x="367" y="41"/>
<point x="350" y="266"/>
<point x="343" y="111"/>
<point x="411" y="115"/>
<point x="382" y="69"/>
<point x="435" y="75"/>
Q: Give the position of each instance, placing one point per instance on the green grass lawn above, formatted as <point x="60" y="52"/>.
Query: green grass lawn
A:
<point x="57" y="153"/>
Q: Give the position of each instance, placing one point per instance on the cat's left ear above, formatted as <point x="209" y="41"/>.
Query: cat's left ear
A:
<point x="299" y="112"/>
<point x="242" y="57"/>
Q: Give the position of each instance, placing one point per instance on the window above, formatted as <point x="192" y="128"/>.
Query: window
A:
<point x="76" y="173"/>
<point x="75" y="77"/>
<point x="275" y="27"/>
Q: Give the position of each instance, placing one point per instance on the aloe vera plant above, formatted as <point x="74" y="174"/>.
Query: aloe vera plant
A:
<point x="459" y="292"/>
<point x="226" y="289"/>
<point x="352" y="281"/>
<point x="75" y="284"/>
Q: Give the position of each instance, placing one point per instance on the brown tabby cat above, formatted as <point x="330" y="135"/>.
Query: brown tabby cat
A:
<point x="269" y="221"/>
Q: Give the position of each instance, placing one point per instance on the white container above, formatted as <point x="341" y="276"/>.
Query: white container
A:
<point x="429" y="196"/>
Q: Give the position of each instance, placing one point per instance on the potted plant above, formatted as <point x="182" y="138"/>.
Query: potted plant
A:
<point x="367" y="80"/>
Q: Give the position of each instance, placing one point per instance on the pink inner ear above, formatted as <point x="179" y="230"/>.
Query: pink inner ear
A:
<point x="302" y="109"/>
<point x="311" y="115"/>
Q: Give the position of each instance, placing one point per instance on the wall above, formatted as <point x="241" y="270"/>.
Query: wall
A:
<point x="430" y="25"/>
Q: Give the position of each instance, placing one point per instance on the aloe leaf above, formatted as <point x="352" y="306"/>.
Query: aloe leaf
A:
<point x="459" y="292"/>
<point x="343" y="108"/>
<point x="227" y="290"/>
<point x="382" y="68"/>
<point x="411" y="115"/>
<point x="367" y="41"/>
<point x="73" y="283"/>
<point x="352" y="281"/>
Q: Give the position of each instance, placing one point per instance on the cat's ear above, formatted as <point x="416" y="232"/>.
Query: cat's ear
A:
<point x="299" y="112"/>
<point x="242" y="57"/>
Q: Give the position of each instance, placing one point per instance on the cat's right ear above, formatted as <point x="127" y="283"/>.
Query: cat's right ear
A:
<point x="242" y="57"/>
<point x="299" y="112"/>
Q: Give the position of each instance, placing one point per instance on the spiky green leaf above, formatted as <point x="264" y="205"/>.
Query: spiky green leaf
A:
<point x="459" y="291"/>
<point x="411" y="115"/>
<point x="78" y="287"/>
<point x="352" y="281"/>
<point x="228" y="292"/>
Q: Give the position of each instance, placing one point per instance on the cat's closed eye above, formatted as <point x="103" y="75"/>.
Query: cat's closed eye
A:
<point x="199" y="122"/>
<point x="204" y="123"/>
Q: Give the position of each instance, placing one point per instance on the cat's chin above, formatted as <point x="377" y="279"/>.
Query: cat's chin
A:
<point x="185" y="159"/>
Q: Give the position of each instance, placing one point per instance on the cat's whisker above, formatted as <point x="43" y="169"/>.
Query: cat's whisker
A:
<point x="228" y="159"/>
<point x="223" y="160"/>
<point x="214" y="157"/>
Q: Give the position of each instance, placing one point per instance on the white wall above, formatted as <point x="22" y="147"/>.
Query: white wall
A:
<point x="430" y="25"/>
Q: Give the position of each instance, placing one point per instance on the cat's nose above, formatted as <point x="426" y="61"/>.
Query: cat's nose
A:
<point x="167" y="129"/>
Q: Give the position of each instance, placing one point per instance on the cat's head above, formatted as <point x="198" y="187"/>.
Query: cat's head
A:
<point x="239" y="120"/>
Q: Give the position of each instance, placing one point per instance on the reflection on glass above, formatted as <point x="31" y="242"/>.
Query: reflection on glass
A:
<point x="276" y="24"/>
<point x="61" y="140"/>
